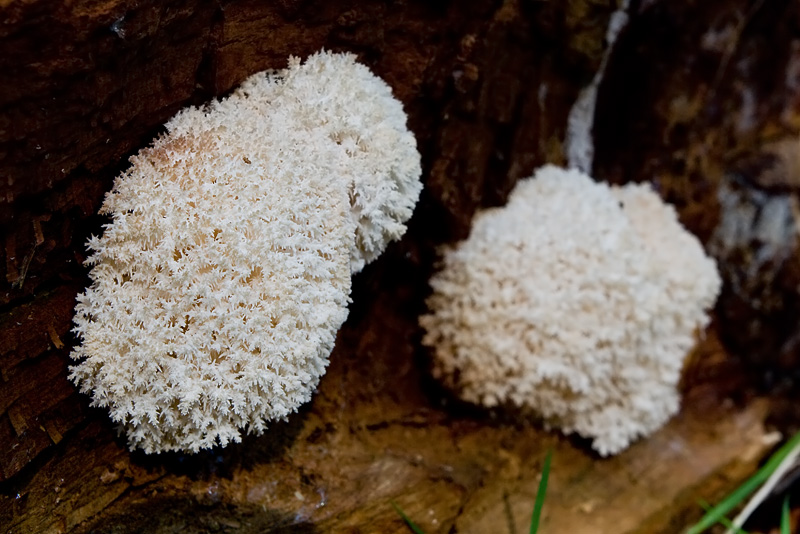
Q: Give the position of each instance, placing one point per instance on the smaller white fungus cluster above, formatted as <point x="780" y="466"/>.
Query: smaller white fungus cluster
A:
<point x="221" y="281"/>
<point x="576" y="301"/>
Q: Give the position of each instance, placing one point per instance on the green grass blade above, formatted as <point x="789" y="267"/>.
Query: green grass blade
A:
<point x="786" y="527"/>
<point x="540" y="493"/>
<point x="413" y="526"/>
<point x="724" y="521"/>
<point x="719" y="511"/>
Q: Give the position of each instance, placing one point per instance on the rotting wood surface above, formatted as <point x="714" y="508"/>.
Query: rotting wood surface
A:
<point x="488" y="87"/>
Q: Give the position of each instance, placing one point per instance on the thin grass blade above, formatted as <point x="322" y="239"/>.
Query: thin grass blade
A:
<point x="413" y="526"/>
<point x="719" y="511"/>
<point x="540" y="493"/>
<point x="724" y="521"/>
<point x="786" y="522"/>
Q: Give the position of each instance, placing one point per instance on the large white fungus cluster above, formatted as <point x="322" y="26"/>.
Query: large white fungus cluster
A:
<point x="221" y="281"/>
<point x="341" y="101"/>
<point x="578" y="302"/>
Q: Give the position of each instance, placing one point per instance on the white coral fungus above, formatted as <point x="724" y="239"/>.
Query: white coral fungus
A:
<point x="576" y="301"/>
<point x="219" y="286"/>
<point x="377" y="155"/>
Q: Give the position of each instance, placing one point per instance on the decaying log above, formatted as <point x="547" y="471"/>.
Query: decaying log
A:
<point x="488" y="86"/>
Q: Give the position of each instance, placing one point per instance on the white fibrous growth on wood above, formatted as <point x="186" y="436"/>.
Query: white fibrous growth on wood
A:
<point x="221" y="281"/>
<point x="578" y="302"/>
<point x="579" y="141"/>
